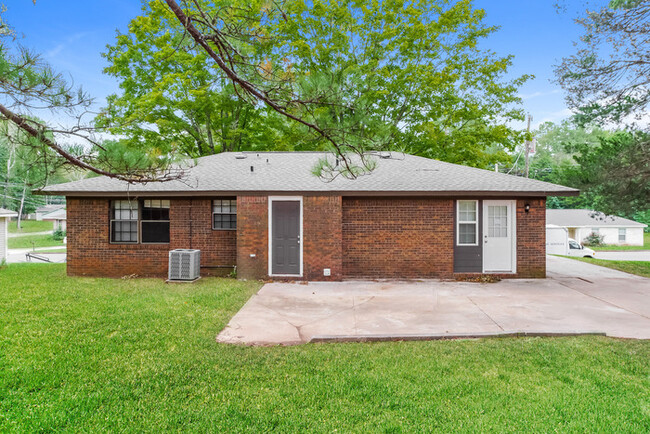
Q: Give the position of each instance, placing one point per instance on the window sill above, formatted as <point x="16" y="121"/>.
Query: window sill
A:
<point x="142" y="246"/>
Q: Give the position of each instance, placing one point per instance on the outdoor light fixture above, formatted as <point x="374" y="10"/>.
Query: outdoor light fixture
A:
<point x="527" y="207"/>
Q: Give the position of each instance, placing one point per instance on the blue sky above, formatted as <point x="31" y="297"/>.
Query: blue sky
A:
<point x="71" y="38"/>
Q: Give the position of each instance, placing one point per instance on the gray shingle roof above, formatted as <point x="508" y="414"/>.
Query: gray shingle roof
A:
<point x="49" y="208"/>
<point x="290" y="172"/>
<point x="586" y="217"/>
<point x="58" y="214"/>
<point x="7" y="213"/>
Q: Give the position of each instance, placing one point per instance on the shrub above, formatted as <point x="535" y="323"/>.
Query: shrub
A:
<point x="58" y="234"/>
<point x="593" y="239"/>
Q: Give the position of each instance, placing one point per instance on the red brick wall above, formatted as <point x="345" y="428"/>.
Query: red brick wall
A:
<point x="354" y="237"/>
<point x="531" y="238"/>
<point x="411" y="238"/>
<point x="322" y="248"/>
<point x="252" y="236"/>
<point x="321" y="237"/>
<point x="531" y="241"/>
<point x="91" y="253"/>
<point x="397" y="237"/>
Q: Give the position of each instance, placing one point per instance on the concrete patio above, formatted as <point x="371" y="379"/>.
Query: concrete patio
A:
<point x="575" y="298"/>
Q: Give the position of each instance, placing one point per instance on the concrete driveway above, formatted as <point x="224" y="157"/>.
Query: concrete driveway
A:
<point x="576" y="297"/>
<point x="625" y="255"/>
<point x="19" y="255"/>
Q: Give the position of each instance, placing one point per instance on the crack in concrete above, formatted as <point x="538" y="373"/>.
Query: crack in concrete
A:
<point x="299" y="327"/>
<point x="484" y="313"/>
<point x="601" y="299"/>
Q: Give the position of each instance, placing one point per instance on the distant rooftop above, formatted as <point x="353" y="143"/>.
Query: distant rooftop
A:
<point x="588" y="218"/>
<point x="291" y="172"/>
<point x="7" y="213"/>
<point x="57" y="214"/>
<point x="50" y="208"/>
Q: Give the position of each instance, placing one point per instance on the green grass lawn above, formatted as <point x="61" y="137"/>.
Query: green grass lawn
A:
<point x="29" y="241"/>
<point x="645" y="246"/>
<point x="640" y="268"/>
<point x="82" y="354"/>
<point x="28" y="226"/>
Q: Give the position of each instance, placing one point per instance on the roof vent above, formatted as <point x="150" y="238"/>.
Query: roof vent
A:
<point x="240" y="156"/>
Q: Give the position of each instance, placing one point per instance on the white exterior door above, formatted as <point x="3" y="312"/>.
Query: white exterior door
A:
<point x="499" y="246"/>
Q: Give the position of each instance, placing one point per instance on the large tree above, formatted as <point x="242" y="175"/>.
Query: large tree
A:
<point x="608" y="78"/>
<point x="607" y="82"/>
<point x="29" y="87"/>
<point x="615" y="174"/>
<point x="172" y="100"/>
<point x="341" y="75"/>
<point x="558" y="145"/>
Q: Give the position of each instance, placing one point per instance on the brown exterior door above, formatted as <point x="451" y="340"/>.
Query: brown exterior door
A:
<point x="285" y="240"/>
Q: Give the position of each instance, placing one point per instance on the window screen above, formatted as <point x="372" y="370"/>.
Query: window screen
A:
<point x="224" y="213"/>
<point x="621" y="234"/>
<point x="467" y="222"/>
<point x="124" y="221"/>
<point x="155" y="221"/>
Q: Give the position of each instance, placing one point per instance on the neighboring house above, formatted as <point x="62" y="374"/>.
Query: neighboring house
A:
<point x="269" y="216"/>
<point x="582" y="222"/>
<point x="58" y="219"/>
<point x="46" y="209"/>
<point x="5" y="217"/>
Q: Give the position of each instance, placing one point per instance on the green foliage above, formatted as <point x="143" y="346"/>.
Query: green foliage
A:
<point x="554" y="141"/>
<point x="593" y="239"/>
<point x="139" y="355"/>
<point x="610" y="168"/>
<point x="640" y="268"/>
<point x="59" y="235"/>
<point x="173" y="100"/>
<point x="606" y="79"/>
<point x="27" y="226"/>
<point x="29" y="84"/>
<point x="616" y="247"/>
<point x="24" y="164"/>
<point x="33" y="241"/>
<point x="614" y="175"/>
<point x="643" y="217"/>
<point x="554" y="159"/>
<point x="373" y="75"/>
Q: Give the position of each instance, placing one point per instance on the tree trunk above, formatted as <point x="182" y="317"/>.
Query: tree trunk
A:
<point x="22" y="203"/>
<point x="11" y="160"/>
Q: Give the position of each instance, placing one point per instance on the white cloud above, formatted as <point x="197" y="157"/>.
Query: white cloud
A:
<point x="527" y="96"/>
<point x="54" y="51"/>
<point x="554" y="117"/>
<point x="63" y="45"/>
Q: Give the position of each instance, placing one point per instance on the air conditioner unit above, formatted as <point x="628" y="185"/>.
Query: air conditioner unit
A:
<point x="184" y="264"/>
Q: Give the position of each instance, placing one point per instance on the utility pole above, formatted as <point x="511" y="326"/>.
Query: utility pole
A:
<point x="528" y="143"/>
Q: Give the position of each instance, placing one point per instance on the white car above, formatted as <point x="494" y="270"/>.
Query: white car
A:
<point x="576" y="249"/>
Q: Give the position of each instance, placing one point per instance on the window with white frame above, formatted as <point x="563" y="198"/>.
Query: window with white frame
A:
<point x="145" y="221"/>
<point x="621" y="235"/>
<point x="224" y="213"/>
<point x="124" y="221"/>
<point x="467" y="223"/>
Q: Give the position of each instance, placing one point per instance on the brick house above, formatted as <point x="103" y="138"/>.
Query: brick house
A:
<point x="267" y="215"/>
